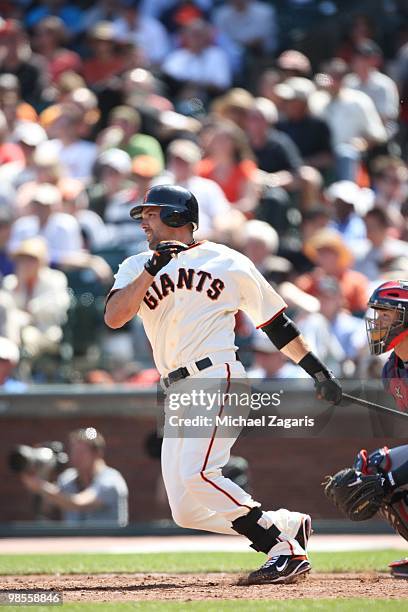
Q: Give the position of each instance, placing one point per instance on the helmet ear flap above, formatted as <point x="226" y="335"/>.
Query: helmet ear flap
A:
<point x="173" y="217"/>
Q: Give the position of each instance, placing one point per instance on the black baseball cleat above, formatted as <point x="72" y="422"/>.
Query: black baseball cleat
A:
<point x="304" y="532"/>
<point x="281" y="569"/>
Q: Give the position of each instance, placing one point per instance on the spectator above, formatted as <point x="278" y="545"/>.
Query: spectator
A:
<point x="234" y="106"/>
<point x="87" y="102"/>
<point x="46" y="169"/>
<point x="113" y="168"/>
<point x="352" y="117"/>
<point x="199" y="68"/>
<point x="9" y="359"/>
<point x="328" y="252"/>
<point x="69" y="14"/>
<point x="10" y="152"/>
<point x="60" y="231"/>
<point x="350" y="204"/>
<point x="357" y="32"/>
<point x="11" y="103"/>
<point x="67" y="82"/>
<point x="50" y="36"/>
<point x="6" y="222"/>
<point x="183" y="157"/>
<point x="145" y="170"/>
<point x="268" y="361"/>
<point x="144" y="32"/>
<point x="313" y="220"/>
<point x="28" y="136"/>
<point x="274" y="151"/>
<point x="17" y="58"/>
<point x="260" y="243"/>
<point x="278" y="155"/>
<point x="267" y="83"/>
<point x="75" y="202"/>
<point x="390" y="185"/>
<point x="249" y="23"/>
<point x="141" y="91"/>
<point x="229" y="163"/>
<point x="41" y="293"/>
<point x="292" y="63"/>
<point x="115" y="191"/>
<point x="380" y="248"/>
<point x="104" y="10"/>
<point x="378" y="86"/>
<point x="89" y="492"/>
<point x="77" y="156"/>
<point x="105" y="60"/>
<point x="127" y="122"/>
<point x="336" y="335"/>
<point x="310" y="134"/>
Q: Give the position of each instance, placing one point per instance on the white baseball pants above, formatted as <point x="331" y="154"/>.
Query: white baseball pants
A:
<point x="200" y="497"/>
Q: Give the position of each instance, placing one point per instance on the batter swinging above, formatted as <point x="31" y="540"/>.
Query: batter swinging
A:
<point x="187" y="294"/>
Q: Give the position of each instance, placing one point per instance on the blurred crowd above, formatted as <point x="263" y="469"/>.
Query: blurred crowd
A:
<point x="287" y="119"/>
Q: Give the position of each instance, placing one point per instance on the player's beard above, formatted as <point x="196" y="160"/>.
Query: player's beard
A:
<point x="154" y="241"/>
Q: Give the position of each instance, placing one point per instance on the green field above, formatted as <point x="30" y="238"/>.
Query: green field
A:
<point x="305" y="605"/>
<point x="173" y="563"/>
<point x="201" y="563"/>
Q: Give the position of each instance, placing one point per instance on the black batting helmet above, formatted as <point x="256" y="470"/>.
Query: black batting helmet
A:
<point x="178" y="206"/>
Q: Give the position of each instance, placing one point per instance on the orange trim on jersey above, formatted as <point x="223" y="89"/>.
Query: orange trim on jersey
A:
<point x="195" y="244"/>
<point x="271" y="319"/>
<point x="207" y="455"/>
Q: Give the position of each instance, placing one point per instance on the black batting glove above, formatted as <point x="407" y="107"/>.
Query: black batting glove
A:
<point x="327" y="387"/>
<point x="163" y="254"/>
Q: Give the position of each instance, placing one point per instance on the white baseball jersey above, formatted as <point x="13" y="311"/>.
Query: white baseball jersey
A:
<point x="188" y="311"/>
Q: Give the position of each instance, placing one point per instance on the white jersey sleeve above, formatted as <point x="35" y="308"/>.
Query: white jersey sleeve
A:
<point x="257" y="298"/>
<point x="128" y="270"/>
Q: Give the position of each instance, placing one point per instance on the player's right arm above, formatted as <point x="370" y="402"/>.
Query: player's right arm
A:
<point x="123" y="304"/>
<point x="133" y="279"/>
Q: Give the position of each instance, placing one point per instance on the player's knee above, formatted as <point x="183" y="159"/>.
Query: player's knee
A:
<point x="182" y="518"/>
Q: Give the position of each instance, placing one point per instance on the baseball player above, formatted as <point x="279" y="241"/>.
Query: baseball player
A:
<point x="379" y="481"/>
<point x="187" y="294"/>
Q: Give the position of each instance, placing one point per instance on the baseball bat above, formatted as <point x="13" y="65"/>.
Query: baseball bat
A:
<point x="373" y="406"/>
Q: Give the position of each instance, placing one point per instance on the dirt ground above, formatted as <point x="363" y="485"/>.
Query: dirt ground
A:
<point x="187" y="587"/>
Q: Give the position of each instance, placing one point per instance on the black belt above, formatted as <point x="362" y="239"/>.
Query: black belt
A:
<point x="181" y="373"/>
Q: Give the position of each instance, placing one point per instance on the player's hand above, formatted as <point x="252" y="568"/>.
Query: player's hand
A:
<point x="163" y="254"/>
<point x="327" y="387"/>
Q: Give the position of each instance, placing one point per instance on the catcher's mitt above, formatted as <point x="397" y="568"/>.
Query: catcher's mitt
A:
<point x="356" y="495"/>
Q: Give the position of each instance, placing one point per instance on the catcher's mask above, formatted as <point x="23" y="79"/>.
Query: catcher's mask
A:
<point x="177" y="205"/>
<point x="387" y="319"/>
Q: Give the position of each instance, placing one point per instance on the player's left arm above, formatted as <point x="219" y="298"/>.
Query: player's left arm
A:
<point x="286" y="336"/>
<point x="259" y="300"/>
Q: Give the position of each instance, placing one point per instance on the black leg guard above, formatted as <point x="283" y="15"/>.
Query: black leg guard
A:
<point x="262" y="539"/>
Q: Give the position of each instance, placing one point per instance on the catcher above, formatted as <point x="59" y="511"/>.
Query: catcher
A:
<point x="378" y="483"/>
